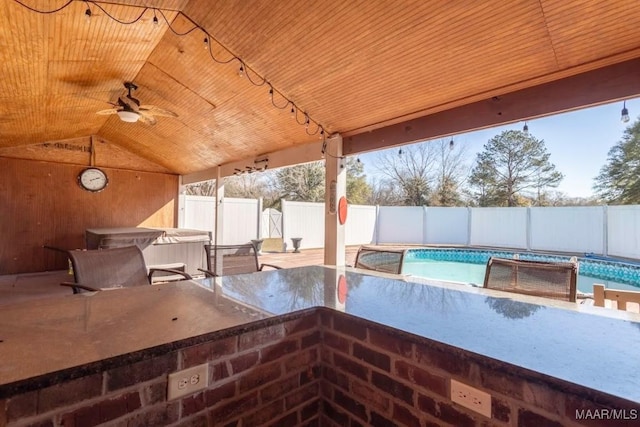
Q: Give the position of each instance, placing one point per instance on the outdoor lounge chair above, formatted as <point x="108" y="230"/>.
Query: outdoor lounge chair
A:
<point x="225" y="260"/>
<point x="380" y="259"/>
<point x="555" y="280"/>
<point x="99" y="269"/>
<point x="600" y="293"/>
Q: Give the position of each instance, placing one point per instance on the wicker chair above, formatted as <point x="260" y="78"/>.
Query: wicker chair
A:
<point x="600" y="293"/>
<point x="225" y="260"/>
<point x="545" y="279"/>
<point x="383" y="260"/>
<point x="99" y="269"/>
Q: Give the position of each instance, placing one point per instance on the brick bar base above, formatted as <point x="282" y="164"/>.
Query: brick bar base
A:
<point x="323" y="369"/>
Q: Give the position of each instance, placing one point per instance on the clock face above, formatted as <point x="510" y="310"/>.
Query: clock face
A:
<point x="93" y="179"/>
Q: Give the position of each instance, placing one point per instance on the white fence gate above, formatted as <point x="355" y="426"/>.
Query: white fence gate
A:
<point x="271" y="223"/>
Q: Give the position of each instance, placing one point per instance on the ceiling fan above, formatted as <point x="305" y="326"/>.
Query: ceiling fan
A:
<point x="129" y="109"/>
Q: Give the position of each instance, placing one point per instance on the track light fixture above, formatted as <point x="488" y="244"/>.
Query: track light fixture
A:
<point x="624" y="117"/>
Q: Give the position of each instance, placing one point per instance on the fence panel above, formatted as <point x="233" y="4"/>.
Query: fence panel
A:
<point x="303" y="219"/>
<point x="567" y="229"/>
<point x="447" y="226"/>
<point x="360" y="226"/>
<point x="240" y="218"/>
<point x="400" y="224"/>
<point x="623" y="231"/>
<point x="500" y="227"/>
<point x="200" y="212"/>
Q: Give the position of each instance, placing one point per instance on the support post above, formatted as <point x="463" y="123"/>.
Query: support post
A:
<point x="218" y="225"/>
<point x="335" y="188"/>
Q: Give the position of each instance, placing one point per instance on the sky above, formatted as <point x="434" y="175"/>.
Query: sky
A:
<point x="578" y="141"/>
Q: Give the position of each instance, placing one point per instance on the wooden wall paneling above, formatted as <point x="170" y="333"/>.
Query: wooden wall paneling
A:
<point x="41" y="203"/>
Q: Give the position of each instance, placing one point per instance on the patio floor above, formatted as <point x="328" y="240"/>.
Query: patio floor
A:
<point x="23" y="287"/>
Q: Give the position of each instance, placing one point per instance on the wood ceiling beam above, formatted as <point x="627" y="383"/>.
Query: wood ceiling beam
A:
<point x="607" y="84"/>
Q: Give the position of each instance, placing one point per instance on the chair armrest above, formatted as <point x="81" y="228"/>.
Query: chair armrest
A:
<point x="207" y="273"/>
<point x="269" y="265"/>
<point x="169" y="270"/>
<point x="76" y="287"/>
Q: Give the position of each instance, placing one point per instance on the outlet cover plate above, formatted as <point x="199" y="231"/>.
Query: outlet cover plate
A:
<point x="471" y="398"/>
<point x="188" y="381"/>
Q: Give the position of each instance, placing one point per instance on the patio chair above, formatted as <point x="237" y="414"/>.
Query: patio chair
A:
<point x="555" y="280"/>
<point x="226" y="260"/>
<point x="99" y="269"/>
<point x="380" y="259"/>
<point x="600" y="293"/>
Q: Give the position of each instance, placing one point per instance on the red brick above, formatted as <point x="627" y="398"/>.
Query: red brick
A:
<point x="311" y="423"/>
<point x="288" y="420"/>
<point x="390" y="343"/>
<point x="302" y="395"/>
<point x="503" y="383"/>
<point x="160" y="415"/>
<point x="422" y="378"/>
<point x="102" y="411"/>
<point x="302" y="324"/>
<point x="310" y="340"/>
<point x="336" y="342"/>
<point x="310" y="410"/>
<point x="279" y="388"/>
<point x="278" y="350"/>
<point x="193" y="404"/>
<point x="154" y="393"/>
<point x="265" y="414"/>
<point x="372" y="357"/>
<point x="531" y="419"/>
<point x="500" y="410"/>
<point x="334" y="414"/>
<point x="326" y="318"/>
<point x="394" y="388"/>
<point x="219" y="371"/>
<point x="369" y="396"/>
<point x="346" y="402"/>
<point x="310" y="374"/>
<point x="426" y="404"/>
<point x="197" y="421"/>
<point x="244" y="362"/>
<point x="378" y="420"/>
<point x="351" y="366"/>
<point x="145" y="370"/>
<point x="300" y="360"/>
<point x="208" y="351"/>
<point x="335" y="377"/>
<point x="346" y="325"/>
<point x="541" y="396"/>
<point x="452" y="361"/>
<point x="21" y="405"/>
<point x="214" y="395"/>
<point x="259" y="376"/>
<point x="260" y="337"/>
<point x="404" y="416"/>
<point x="67" y="393"/>
<point x="451" y="415"/>
<point x="233" y="408"/>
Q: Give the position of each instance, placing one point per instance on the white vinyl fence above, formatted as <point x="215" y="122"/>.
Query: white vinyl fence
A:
<point x="601" y="230"/>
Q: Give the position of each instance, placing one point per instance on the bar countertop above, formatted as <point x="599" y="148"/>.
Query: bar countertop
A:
<point x="567" y="341"/>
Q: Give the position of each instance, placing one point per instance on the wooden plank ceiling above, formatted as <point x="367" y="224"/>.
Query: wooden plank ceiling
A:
<point x="353" y="66"/>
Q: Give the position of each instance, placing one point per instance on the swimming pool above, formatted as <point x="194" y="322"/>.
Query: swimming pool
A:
<point x="468" y="266"/>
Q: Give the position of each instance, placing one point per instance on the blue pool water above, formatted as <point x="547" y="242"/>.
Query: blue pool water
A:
<point x="468" y="266"/>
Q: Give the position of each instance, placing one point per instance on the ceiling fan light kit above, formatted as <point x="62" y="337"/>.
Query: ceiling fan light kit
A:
<point x="128" y="116"/>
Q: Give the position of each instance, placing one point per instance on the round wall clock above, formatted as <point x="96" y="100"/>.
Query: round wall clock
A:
<point x="93" y="179"/>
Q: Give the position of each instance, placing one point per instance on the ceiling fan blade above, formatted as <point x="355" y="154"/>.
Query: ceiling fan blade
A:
<point x="108" y="112"/>
<point x="157" y="111"/>
<point x="147" y="118"/>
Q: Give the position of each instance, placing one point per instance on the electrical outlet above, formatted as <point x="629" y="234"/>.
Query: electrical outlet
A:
<point x="188" y="381"/>
<point x="471" y="398"/>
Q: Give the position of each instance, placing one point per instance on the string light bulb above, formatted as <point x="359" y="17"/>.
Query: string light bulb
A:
<point x="306" y="121"/>
<point x="155" y="18"/>
<point x="624" y="117"/>
<point x="451" y="143"/>
<point x="241" y="71"/>
<point x="525" y="129"/>
<point x="400" y="152"/>
<point x="206" y="43"/>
